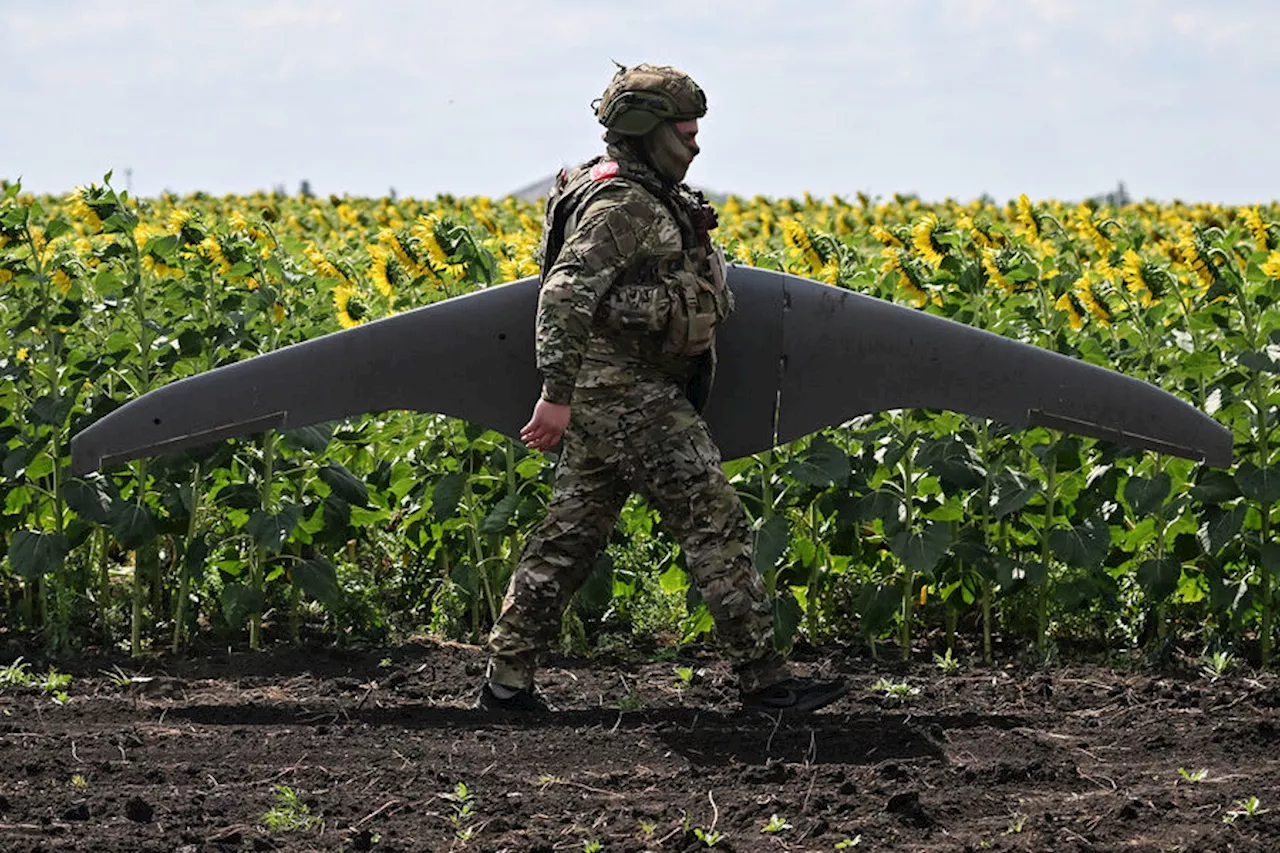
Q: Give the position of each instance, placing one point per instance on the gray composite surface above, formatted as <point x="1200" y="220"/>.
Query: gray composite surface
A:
<point x="796" y="356"/>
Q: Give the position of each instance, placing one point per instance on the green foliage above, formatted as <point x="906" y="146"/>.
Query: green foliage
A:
<point x="1250" y="807"/>
<point x="462" y="804"/>
<point x="1217" y="665"/>
<point x="18" y="674"/>
<point x="894" y="689"/>
<point x="945" y="662"/>
<point x="395" y="522"/>
<point x="709" y="837"/>
<point x="289" y="813"/>
<point x="776" y="824"/>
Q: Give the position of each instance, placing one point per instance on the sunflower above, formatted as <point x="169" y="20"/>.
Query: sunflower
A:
<point x="1087" y="295"/>
<point x="211" y="248"/>
<point x="348" y="306"/>
<point x="178" y="218"/>
<point x="322" y="263"/>
<point x="995" y="275"/>
<point x="894" y="262"/>
<point x="1026" y="216"/>
<point x="965" y="224"/>
<point x="766" y="222"/>
<point x="795" y="236"/>
<point x="82" y="211"/>
<point x="424" y="231"/>
<point x="62" y="281"/>
<point x="380" y="274"/>
<point x="885" y="236"/>
<point x="1193" y="257"/>
<point x="1258" y="228"/>
<point x="1136" y="277"/>
<point x="922" y="239"/>
<point x="1271" y="266"/>
<point x="1088" y="229"/>
<point x="1074" y="315"/>
<point x="830" y="273"/>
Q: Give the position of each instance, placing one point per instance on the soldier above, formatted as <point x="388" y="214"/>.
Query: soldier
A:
<point x="632" y="291"/>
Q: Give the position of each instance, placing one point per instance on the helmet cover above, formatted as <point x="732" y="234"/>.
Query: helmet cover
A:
<point x="639" y="98"/>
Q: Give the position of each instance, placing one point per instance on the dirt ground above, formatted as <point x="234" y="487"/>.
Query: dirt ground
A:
<point x="374" y="743"/>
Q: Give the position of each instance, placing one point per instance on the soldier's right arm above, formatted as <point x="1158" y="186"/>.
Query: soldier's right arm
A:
<point x="616" y="228"/>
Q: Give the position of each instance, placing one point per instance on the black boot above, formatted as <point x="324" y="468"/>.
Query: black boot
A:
<point x="798" y="695"/>
<point x="521" y="701"/>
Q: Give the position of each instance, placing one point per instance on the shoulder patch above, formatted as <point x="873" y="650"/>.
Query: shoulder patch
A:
<point x="604" y="169"/>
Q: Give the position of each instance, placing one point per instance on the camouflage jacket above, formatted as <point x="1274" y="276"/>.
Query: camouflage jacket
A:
<point x="610" y="222"/>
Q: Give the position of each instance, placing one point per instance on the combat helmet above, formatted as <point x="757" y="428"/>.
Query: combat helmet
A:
<point x="641" y="97"/>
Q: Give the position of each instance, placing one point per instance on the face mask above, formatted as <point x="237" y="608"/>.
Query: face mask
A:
<point x="669" y="152"/>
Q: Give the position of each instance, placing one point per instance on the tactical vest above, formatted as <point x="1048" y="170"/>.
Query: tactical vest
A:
<point x="676" y="301"/>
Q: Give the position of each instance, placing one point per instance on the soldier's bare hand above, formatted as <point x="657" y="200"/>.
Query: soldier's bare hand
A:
<point x="546" y="427"/>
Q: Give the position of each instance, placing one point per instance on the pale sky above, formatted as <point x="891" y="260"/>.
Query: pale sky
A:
<point x="943" y="98"/>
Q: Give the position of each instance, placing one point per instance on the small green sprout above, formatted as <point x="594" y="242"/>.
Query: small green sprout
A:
<point x="1017" y="824"/>
<point x="55" y="682"/>
<point x="592" y="846"/>
<point x="894" y="689"/>
<point x="1193" y="775"/>
<point x="117" y="676"/>
<point x="709" y="837"/>
<point x="15" y="674"/>
<point x="463" y="809"/>
<point x="1251" y="807"/>
<point x="385" y="663"/>
<point x="1217" y="665"/>
<point x="849" y="842"/>
<point x="685" y="674"/>
<point x="78" y="781"/>
<point x="648" y="827"/>
<point x="289" y="814"/>
<point x="776" y="824"/>
<point x="948" y="664"/>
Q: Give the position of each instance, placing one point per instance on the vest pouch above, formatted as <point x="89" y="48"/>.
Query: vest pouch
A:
<point x="637" y="308"/>
<point x="723" y="295"/>
<point x="694" y="314"/>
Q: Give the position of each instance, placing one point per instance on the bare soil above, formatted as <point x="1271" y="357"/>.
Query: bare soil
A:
<point x="374" y="742"/>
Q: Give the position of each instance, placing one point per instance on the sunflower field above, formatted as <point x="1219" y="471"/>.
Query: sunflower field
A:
<point x="903" y="530"/>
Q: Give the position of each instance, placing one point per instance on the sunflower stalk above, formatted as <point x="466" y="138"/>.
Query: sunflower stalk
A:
<point x="986" y="592"/>
<point x="258" y="552"/>
<point x="908" y="499"/>
<point x="184" y="572"/>
<point x="57" y="633"/>
<point x="146" y="339"/>
<point x="1042" y="605"/>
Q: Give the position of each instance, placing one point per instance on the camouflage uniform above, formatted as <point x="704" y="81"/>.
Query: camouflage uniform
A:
<point x="632" y="239"/>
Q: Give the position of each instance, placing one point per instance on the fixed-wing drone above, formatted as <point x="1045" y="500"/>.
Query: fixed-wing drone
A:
<point x="796" y="356"/>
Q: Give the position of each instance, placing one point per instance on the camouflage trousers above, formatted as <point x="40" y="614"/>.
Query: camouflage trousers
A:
<point x="649" y="439"/>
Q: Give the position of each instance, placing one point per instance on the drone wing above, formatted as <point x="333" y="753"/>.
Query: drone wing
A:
<point x="845" y="354"/>
<point x="470" y="357"/>
<point x="796" y="356"/>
